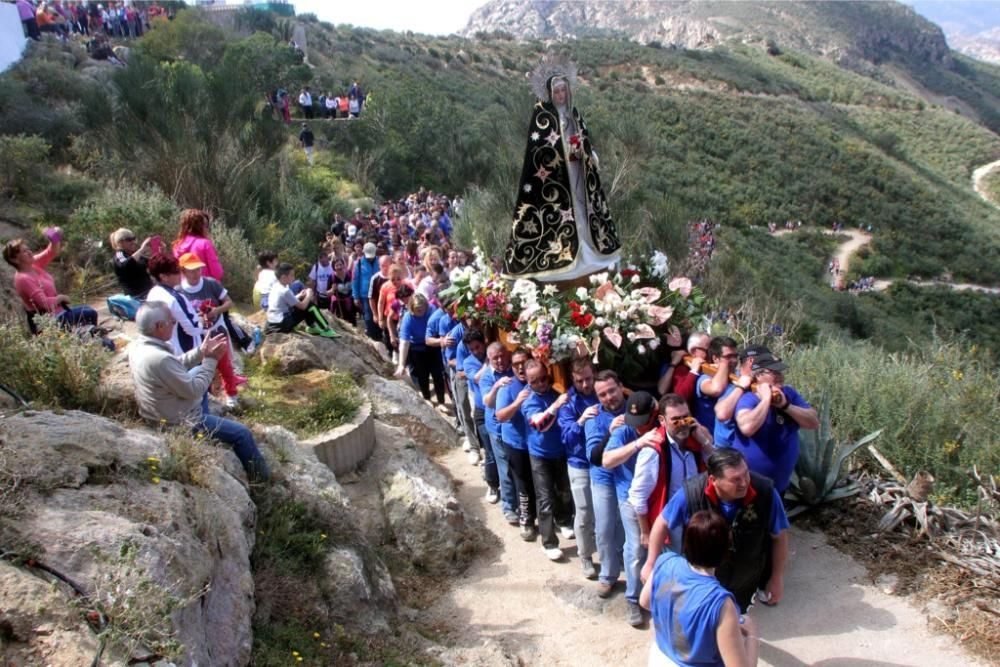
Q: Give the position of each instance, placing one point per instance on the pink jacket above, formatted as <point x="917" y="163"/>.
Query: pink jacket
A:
<point x="36" y="287"/>
<point x="205" y="250"/>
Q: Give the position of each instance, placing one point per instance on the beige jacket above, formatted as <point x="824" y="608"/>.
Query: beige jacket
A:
<point x="168" y="388"/>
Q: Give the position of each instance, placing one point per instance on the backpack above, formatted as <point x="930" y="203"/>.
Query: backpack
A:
<point x="123" y="306"/>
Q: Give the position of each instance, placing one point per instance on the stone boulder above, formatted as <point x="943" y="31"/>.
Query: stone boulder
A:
<point x="105" y="507"/>
<point x="398" y="403"/>
<point x="424" y="518"/>
<point x="355" y="589"/>
<point x="116" y="386"/>
<point x="296" y="352"/>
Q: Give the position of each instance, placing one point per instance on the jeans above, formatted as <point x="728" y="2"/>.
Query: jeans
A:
<point x="549" y="477"/>
<point x="608" y="531"/>
<point x="520" y="468"/>
<point x="240" y="438"/>
<point x="508" y="491"/>
<point x="77" y="315"/>
<point x="635" y="553"/>
<point x="489" y="460"/>
<point x="583" y="521"/>
<point x="462" y="409"/>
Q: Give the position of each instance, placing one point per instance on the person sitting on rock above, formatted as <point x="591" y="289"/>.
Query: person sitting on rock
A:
<point x="285" y="309"/>
<point x="169" y="388"/>
<point x="129" y="263"/>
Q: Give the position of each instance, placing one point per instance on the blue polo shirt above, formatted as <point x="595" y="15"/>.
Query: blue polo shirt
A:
<point x="442" y="327"/>
<point x="703" y="407"/>
<point x="542" y="444"/>
<point x="432" y="325"/>
<point x="512" y="430"/>
<point x="414" y="329"/>
<point x="725" y="431"/>
<point x="676" y="513"/>
<point x="773" y="450"/>
<point x="471" y="366"/>
<point x="489" y="379"/>
<point x="459" y="352"/>
<point x="594" y="431"/>
<point x="623" y="474"/>
<point x="573" y="436"/>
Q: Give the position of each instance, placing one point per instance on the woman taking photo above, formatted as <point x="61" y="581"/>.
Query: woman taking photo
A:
<point x="695" y="619"/>
<point x="37" y="288"/>
<point x="129" y="263"/>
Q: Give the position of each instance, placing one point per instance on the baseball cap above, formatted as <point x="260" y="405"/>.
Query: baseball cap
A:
<point x="638" y="407"/>
<point x="768" y="362"/>
<point x="369" y="250"/>
<point x="753" y="351"/>
<point x="189" y="260"/>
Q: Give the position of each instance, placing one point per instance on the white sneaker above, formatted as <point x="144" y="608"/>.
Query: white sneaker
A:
<point x="566" y="533"/>
<point x="466" y="445"/>
<point x="395" y="358"/>
<point x="251" y="348"/>
<point x="232" y="402"/>
<point x="473" y="455"/>
<point x="492" y="496"/>
<point x="555" y="553"/>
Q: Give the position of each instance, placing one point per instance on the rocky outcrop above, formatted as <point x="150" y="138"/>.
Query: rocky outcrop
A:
<point x="103" y="506"/>
<point x="295" y="353"/>
<point x="398" y="403"/>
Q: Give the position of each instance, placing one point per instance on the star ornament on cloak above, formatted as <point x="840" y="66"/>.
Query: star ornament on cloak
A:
<point x="535" y="136"/>
<point x="553" y="138"/>
<point x="542" y="174"/>
<point x="567" y="214"/>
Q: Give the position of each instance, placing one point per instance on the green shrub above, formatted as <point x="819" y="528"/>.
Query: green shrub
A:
<point x="23" y="161"/>
<point x="55" y="369"/>
<point x="937" y="407"/>
<point x="238" y="259"/>
<point x="306" y="413"/>
<point x="144" y="210"/>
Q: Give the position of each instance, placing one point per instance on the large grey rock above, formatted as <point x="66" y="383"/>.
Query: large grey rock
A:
<point x="117" y="388"/>
<point x="355" y="589"/>
<point x="91" y="509"/>
<point x="296" y="352"/>
<point x="398" y="403"/>
<point x="426" y="521"/>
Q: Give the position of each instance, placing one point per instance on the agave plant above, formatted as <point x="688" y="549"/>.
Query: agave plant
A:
<point x="817" y="478"/>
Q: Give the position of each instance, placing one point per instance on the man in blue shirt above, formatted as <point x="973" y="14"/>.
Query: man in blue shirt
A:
<point x="768" y="422"/>
<point x="547" y="455"/>
<point x="708" y="388"/>
<point x="512" y="432"/>
<point x="493" y="380"/>
<point x="461" y="386"/>
<point x="473" y="367"/>
<point x="725" y="406"/>
<point x="608" y="528"/>
<point x="641" y="420"/>
<point x="581" y="406"/>
<point x="752" y="507"/>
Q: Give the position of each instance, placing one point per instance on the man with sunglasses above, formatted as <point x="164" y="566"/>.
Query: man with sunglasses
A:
<point x="708" y="388"/>
<point x="768" y="422"/>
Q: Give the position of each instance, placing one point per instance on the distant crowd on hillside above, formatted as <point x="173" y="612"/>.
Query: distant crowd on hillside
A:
<point x="324" y="106"/>
<point x="121" y="20"/>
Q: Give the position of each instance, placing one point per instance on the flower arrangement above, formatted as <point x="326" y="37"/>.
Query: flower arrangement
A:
<point x="477" y="291"/>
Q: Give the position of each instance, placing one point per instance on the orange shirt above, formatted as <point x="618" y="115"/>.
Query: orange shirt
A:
<point x="43" y="18"/>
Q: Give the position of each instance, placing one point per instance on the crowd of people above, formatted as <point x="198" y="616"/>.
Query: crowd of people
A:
<point x="701" y="242"/>
<point x="122" y="20"/>
<point x="677" y="488"/>
<point x="324" y="106"/>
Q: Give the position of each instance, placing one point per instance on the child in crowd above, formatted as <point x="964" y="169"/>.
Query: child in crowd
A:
<point x="286" y="309"/>
<point x="320" y="279"/>
<point x="266" y="279"/>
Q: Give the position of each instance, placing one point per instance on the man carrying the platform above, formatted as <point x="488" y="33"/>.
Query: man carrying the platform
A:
<point x="492" y="381"/>
<point x="725" y="406"/>
<point x="473" y="366"/>
<point x="608" y="530"/>
<point x="514" y="436"/>
<point x="759" y="527"/>
<point x="768" y="422"/>
<point x="680" y="377"/>
<point x="581" y="406"/>
<point x="548" y="458"/>
<point x="708" y="388"/>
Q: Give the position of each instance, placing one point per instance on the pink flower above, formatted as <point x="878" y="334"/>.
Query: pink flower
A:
<point x="649" y="294"/>
<point x="644" y="331"/>
<point x="660" y="314"/>
<point x="682" y="285"/>
<point x="613" y="336"/>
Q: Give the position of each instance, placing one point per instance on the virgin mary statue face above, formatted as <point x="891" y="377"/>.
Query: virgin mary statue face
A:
<point x="560" y="90"/>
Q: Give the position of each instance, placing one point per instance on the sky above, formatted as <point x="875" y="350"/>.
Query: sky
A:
<point x="431" y="17"/>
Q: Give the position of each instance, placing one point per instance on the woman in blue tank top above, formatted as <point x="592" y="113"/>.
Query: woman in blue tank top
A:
<point x="696" y="620"/>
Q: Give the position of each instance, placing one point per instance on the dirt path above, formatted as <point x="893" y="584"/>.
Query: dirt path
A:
<point x="848" y="248"/>
<point x="545" y="613"/>
<point x="978" y="178"/>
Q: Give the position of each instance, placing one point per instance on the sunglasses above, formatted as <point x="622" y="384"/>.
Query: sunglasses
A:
<point x="686" y="420"/>
<point x="128" y="238"/>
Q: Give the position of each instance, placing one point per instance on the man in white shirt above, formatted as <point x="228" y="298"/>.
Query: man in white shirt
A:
<point x="306" y="102"/>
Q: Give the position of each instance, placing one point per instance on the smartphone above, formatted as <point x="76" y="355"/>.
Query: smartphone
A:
<point x="155" y="244"/>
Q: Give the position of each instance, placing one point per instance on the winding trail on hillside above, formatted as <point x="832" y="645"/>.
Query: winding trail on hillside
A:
<point x="544" y="613"/>
<point x="859" y="239"/>
<point x="979" y="181"/>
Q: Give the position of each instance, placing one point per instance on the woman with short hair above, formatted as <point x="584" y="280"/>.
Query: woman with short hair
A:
<point x="129" y="263"/>
<point x="696" y="620"/>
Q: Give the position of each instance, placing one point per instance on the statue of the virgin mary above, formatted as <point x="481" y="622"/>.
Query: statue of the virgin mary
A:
<point x="562" y="228"/>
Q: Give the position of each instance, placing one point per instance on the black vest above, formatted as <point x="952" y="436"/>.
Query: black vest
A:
<point x="746" y="562"/>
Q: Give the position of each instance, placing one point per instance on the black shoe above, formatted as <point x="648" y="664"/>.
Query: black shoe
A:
<point x="528" y="533"/>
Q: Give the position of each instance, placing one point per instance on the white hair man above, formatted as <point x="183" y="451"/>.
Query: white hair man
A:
<point x="169" y="389"/>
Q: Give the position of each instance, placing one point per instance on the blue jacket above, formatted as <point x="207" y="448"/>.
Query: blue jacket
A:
<point x="364" y="270"/>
